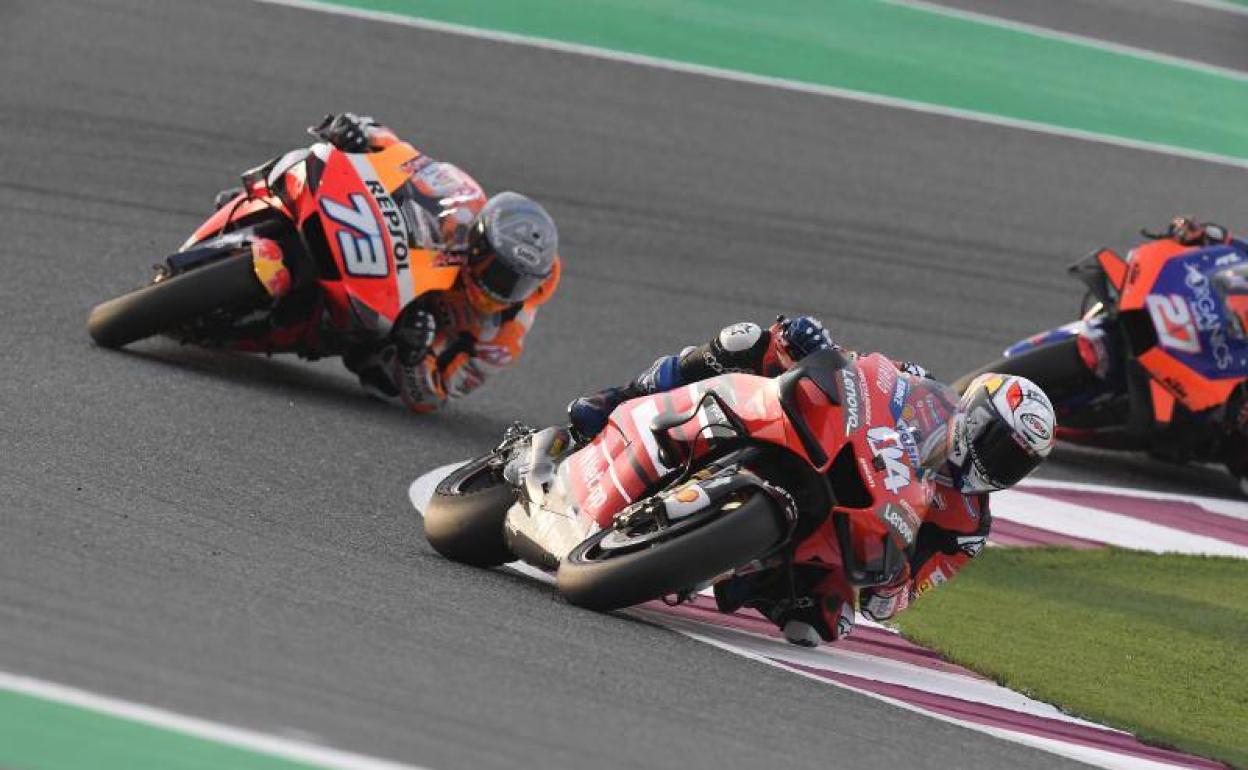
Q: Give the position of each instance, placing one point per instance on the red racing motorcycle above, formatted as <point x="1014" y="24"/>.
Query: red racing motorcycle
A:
<point x="346" y="261"/>
<point x="816" y="468"/>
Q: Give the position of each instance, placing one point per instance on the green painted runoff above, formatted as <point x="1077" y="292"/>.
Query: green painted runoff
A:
<point x="892" y="50"/>
<point x="37" y="734"/>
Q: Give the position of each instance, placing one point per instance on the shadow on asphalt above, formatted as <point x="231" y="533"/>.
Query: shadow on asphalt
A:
<point x="288" y="376"/>
<point x="1118" y="468"/>
<point x="285" y="375"/>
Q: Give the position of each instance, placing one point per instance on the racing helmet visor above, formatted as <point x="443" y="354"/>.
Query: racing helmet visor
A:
<point x="501" y="283"/>
<point x="998" y="458"/>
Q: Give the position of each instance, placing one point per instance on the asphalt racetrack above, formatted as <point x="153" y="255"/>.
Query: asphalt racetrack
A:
<point x="230" y="537"/>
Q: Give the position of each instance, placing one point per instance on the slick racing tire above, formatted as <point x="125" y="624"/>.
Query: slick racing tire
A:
<point x="464" y="520"/>
<point x="167" y="304"/>
<point x="1057" y="368"/>
<point x="604" y="579"/>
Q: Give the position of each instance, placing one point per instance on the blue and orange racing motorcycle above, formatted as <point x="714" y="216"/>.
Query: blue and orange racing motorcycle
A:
<point x="1159" y="358"/>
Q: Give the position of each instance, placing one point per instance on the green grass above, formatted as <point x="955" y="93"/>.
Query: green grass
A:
<point x="1154" y="644"/>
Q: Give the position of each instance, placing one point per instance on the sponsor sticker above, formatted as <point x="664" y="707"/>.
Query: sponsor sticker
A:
<point x="1208" y="315"/>
<point x="884" y="379"/>
<point x="897" y="520"/>
<point x="850" y="401"/>
<point x="591" y="476"/>
<point x="898" y="401"/>
<point x="1035" y="424"/>
<point x="688" y="499"/>
<point x="865" y="467"/>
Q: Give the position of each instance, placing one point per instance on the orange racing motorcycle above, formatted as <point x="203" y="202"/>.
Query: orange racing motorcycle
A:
<point x="346" y="245"/>
<point x="1159" y="360"/>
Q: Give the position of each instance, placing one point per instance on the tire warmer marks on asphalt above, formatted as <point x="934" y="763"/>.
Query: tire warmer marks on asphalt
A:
<point x="880" y="663"/>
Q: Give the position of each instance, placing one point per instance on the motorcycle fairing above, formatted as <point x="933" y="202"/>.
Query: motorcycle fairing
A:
<point x="1115" y="268"/>
<point x="879" y="426"/>
<point x="352" y="202"/>
<point x="624" y="460"/>
<point x="1195" y="358"/>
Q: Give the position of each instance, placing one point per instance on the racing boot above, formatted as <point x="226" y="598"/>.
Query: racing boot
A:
<point x="588" y="414"/>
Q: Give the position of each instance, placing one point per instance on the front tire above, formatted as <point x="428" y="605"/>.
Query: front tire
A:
<point x="596" y="579"/>
<point x="464" y="520"/>
<point x="165" y="305"/>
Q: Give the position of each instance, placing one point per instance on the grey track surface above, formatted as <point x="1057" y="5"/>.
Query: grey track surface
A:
<point x="229" y="536"/>
<point x="1199" y="33"/>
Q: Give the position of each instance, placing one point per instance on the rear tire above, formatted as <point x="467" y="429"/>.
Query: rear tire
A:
<point x="167" y="304"/>
<point x="464" y="521"/>
<point x="1057" y="368"/>
<point x="588" y="578"/>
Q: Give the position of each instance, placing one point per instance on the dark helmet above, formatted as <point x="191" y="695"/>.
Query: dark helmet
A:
<point x="1003" y="428"/>
<point x="511" y="251"/>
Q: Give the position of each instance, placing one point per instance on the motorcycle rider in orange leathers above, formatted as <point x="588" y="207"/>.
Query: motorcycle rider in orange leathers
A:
<point x="445" y="344"/>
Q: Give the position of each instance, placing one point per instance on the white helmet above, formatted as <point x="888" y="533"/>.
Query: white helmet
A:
<point x="1003" y="428"/>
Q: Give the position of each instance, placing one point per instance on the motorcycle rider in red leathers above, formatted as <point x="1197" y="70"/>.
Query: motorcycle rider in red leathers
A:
<point x="445" y="344"/>
<point x="990" y="448"/>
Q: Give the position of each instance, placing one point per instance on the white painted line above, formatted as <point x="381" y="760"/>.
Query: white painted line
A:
<point x="1235" y="508"/>
<point x="763" y="80"/>
<point x="1218" y="5"/>
<point x="1097" y="757"/>
<point x="321" y="756"/>
<point x="768" y="651"/>
<point x="876" y="668"/>
<point x="1116" y="529"/>
<point x="1072" y="38"/>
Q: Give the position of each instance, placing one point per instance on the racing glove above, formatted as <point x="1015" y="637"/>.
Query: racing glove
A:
<point x="588" y="414"/>
<point x="804" y="335"/>
<point x="348" y="131"/>
<point x="421" y="385"/>
<point x="1190" y="232"/>
<point x="414" y="333"/>
<point x="910" y="367"/>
